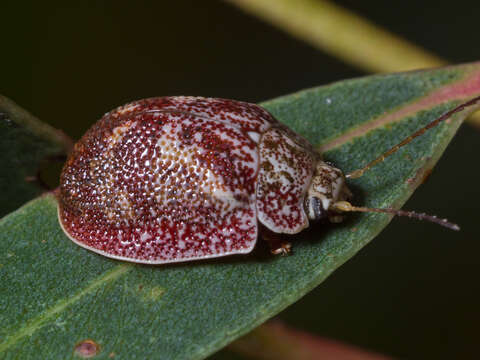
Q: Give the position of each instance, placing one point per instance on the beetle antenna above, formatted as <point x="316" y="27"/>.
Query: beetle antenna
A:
<point x="359" y="172"/>
<point x="345" y="206"/>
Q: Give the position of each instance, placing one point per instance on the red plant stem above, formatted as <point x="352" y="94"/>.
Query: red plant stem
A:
<point x="276" y="341"/>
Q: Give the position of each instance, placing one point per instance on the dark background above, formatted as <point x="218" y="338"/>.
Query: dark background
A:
<point x="413" y="292"/>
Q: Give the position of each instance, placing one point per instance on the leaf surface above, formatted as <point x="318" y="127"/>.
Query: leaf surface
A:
<point x="56" y="294"/>
<point x="25" y="145"/>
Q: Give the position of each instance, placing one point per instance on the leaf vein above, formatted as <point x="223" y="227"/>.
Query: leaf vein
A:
<point x="39" y="321"/>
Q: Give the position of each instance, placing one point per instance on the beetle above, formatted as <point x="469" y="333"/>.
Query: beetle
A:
<point x="182" y="178"/>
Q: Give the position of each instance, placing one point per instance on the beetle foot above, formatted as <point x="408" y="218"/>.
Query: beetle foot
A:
<point x="283" y="250"/>
<point x="277" y="245"/>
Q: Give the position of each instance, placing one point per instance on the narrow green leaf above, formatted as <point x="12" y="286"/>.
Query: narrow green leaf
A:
<point x="56" y="294"/>
<point x="25" y="143"/>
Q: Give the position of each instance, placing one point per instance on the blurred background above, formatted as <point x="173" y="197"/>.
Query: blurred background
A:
<point x="413" y="292"/>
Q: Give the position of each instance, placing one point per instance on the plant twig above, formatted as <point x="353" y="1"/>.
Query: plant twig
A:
<point x="276" y="341"/>
<point x="342" y="34"/>
<point x="345" y="35"/>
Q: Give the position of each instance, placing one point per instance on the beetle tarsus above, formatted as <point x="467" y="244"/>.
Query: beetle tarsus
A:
<point x="283" y="250"/>
<point x="278" y="246"/>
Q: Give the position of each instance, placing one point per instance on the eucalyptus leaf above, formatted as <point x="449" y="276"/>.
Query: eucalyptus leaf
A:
<point x="56" y="295"/>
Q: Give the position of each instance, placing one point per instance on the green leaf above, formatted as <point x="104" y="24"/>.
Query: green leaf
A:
<point x="25" y="144"/>
<point x="56" y="294"/>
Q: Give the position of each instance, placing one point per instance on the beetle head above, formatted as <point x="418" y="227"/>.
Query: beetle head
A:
<point x="327" y="187"/>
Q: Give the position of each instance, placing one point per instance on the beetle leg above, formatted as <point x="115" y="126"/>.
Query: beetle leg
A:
<point x="278" y="246"/>
<point x="284" y="249"/>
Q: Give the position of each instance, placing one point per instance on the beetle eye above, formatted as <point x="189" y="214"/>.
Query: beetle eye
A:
<point x="315" y="209"/>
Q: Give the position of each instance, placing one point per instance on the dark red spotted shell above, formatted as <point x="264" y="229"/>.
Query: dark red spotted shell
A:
<point x="181" y="178"/>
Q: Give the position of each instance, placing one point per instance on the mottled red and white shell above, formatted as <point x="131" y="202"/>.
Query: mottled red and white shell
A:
<point x="182" y="178"/>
